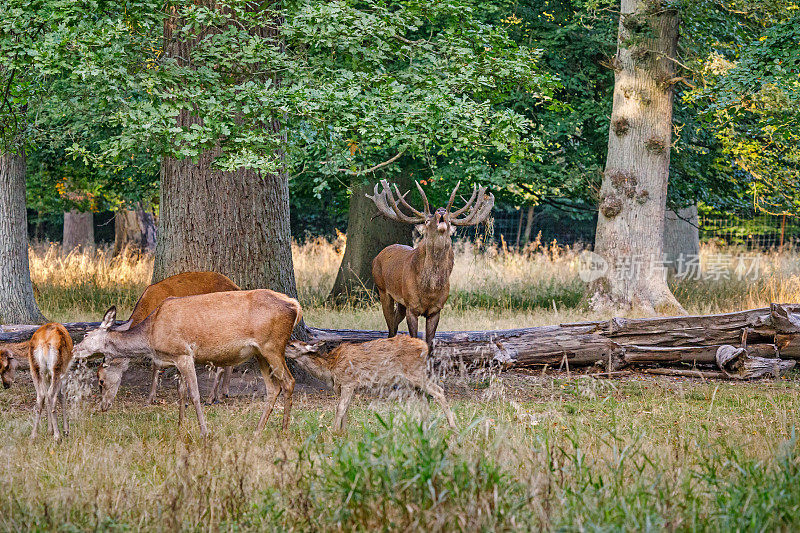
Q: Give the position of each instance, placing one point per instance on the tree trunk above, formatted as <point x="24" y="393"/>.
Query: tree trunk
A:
<point x="135" y="229"/>
<point x="367" y="234"/>
<point x="528" y="226"/>
<point x="681" y="238"/>
<point x="694" y="341"/>
<point x="17" y="301"/>
<point x="235" y="223"/>
<point x="246" y="236"/>
<point x="630" y="226"/>
<point x="78" y="231"/>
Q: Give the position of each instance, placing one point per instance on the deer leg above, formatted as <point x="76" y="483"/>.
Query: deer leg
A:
<point x="399" y="315"/>
<point x="226" y="381"/>
<point x="213" y="397"/>
<point x="51" y="404"/>
<point x="154" y="385"/>
<point x="277" y="361"/>
<point x="181" y="399"/>
<point x="345" y="398"/>
<point x="185" y="366"/>
<point x="273" y="390"/>
<point x="387" y="303"/>
<point x="431" y="323"/>
<point x="63" y="396"/>
<point x="412" y="320"/>
<point x="437" y="393"/>
<point x="39" y="408"/>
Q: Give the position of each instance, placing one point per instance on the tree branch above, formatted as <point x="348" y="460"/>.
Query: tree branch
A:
<point x="373" y="169"/>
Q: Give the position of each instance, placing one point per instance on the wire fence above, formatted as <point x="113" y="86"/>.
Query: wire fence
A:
<point x="759" y="232"/>
<point x="510" y="226"/>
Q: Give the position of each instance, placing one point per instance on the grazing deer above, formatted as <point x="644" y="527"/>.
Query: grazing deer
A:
<point x="414" y="282"/>
<point x="220" y="329"/>
<point x="382" y="363"/>
<point x="184" y="284"/>
<point x="50" y="357"/>
<point x="8" y="367"/>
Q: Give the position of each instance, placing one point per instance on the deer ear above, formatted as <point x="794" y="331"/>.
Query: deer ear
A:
<point x="109" y="317"/>
<point x="420" y="229"/>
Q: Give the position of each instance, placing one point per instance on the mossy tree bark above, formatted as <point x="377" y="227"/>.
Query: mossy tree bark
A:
<point x="367" y="234"/>
<point x="630" y="226"/>
<point x="235" y="223"/>
<point x="17" y="301"/>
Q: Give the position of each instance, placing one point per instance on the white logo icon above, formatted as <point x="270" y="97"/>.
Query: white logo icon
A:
<point x="591" y="266"/>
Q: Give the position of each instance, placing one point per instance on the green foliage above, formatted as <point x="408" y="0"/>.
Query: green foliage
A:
<point x="748" y="101"/>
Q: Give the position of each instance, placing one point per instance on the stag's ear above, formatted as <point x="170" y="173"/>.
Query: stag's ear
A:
<point x="420" y="229"/>
<point x="12" y="362"/>
<point x="109" y="318"/>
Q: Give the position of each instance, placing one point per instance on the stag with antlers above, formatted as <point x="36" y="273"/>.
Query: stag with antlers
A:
<point x="414" y="282"/>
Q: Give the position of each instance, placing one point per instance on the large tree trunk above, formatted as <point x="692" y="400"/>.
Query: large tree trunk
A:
<point x="742" y="345"/>
<point x="681" y="238"/>
<point x="17" y="301"/>
<point x="367" y="234"/>
<point x="134" y="229"/>
<point x="78" y="231"/>
<point x="235" y="223"/>
<point x="630" y="226"/>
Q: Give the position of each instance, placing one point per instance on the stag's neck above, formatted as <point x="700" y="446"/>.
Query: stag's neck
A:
<point x="434" y="262"/>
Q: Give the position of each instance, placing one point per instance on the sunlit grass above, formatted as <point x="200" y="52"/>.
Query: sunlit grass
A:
<point x="491" y="287"/>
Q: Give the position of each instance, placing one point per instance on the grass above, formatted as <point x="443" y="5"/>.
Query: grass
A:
<point x="547" y="453"/>
<point x="490" y="289"/>
<point x="532" y="452"/>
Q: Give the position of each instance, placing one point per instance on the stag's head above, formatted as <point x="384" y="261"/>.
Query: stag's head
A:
<point x="8" y="367"/>
<point x="436" y="227"/>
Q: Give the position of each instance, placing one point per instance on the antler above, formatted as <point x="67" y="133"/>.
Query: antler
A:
<point x="387" y="205"/>
<point x="479" y="205"/>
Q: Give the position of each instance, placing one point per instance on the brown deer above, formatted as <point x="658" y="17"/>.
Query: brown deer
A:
<point x="414" y="282"/>
<point x="184" y="284"/>
<point x="8" y="367"/>
<point x="220" y="329"/>
<point x="49" y="359"/>
<point x="382" y="363"/>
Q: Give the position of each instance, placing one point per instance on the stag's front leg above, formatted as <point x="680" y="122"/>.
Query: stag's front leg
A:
<point x="387" y="303"/>
<point x="412" y="320"/>
<point x="431" y="323"/>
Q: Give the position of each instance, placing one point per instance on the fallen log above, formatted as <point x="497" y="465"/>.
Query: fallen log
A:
<point x="686" y="373"/>
<point x="611" y="344"/>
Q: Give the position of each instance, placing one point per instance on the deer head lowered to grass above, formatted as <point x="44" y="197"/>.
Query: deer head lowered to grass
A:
<point x="414" y="282"/>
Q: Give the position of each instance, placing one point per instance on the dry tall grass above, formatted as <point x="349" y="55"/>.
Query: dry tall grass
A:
<point x="491" y="288"/>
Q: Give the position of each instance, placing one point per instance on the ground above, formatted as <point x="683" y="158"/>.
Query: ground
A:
<point x="532" y="451"/>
